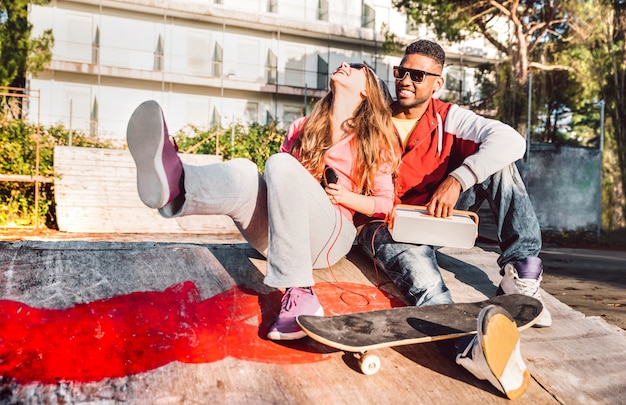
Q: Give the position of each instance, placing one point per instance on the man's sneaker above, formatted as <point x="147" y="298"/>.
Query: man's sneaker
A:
<point x="494" y="353"/>
<point x="159" y="169"/>
<point x="512" y="283"/>
<point x="296" y="301"/>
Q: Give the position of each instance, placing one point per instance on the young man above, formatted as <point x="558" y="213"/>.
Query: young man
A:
<point x="454" y="158"/>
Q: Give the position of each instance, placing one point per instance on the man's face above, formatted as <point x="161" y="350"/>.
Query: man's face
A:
<point x="410" y="94"/>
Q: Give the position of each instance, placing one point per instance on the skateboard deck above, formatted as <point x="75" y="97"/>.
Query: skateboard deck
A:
<point x="364" y="331"/>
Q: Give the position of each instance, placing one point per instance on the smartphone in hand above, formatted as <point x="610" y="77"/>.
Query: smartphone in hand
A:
<point x="329" y="176"/>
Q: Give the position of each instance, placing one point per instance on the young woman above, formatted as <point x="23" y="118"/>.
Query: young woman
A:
<point x="285" y="214"/>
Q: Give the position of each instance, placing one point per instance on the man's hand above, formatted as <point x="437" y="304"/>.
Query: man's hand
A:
<point x="444" y="198"/>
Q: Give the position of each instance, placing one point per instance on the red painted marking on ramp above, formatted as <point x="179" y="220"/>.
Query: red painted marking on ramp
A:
<point x="141" y="331"/>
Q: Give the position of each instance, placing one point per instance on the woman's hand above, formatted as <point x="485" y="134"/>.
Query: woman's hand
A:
<point x="356" y="202"/>
<point x="335" y="193"/>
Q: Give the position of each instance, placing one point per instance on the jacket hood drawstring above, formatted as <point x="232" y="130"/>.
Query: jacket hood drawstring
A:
<point x="439" y="134"/>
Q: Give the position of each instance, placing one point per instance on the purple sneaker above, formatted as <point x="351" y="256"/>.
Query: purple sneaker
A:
<point x="159" y="169"/>
<point x="296" y="301"/>
<point x="524" y="277"/>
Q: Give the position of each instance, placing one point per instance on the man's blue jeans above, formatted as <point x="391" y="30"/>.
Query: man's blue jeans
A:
<point x="414" y="268"/>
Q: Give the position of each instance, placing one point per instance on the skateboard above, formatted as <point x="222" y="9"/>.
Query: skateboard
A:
<point x="361" y="332"/>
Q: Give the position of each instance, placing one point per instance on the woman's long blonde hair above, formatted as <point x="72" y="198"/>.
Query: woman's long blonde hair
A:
<point x="377" y="144"/>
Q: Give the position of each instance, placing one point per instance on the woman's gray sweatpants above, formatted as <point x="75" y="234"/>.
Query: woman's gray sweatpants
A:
<point x="284" y="214"/>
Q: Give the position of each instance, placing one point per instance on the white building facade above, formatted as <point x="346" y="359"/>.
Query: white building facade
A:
<point x="214" y="62"/>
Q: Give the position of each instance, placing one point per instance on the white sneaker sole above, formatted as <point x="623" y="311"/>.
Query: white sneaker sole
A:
<point x="275" y="334"/>
<point x="544" y="320"/>
<point x="499" y="339"/>
<point x="145" y="138"/>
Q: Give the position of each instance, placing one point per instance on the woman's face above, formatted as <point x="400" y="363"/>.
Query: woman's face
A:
<point x="349" y="76"/>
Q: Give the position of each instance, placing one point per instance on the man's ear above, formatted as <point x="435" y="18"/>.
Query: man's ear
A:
<point x="439" y="81"/>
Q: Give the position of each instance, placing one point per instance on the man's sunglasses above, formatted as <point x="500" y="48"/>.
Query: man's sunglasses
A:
<point x="416" y="75"/>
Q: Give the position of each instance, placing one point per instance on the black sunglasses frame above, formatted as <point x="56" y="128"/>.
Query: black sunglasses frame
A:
<point x="415" y="75"/>
<point x="357" y="65"/>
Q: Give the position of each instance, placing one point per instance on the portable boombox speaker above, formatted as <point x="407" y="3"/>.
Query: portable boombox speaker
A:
<point x="413" y="224"/>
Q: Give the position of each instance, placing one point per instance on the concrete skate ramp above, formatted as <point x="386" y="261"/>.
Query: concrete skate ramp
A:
<point x="183" y="321"/>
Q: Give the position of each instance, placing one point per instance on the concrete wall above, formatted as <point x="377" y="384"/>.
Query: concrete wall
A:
<point x="564" y="186"/>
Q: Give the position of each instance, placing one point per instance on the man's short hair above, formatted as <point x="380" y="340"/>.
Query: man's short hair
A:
<point x="427" y="48"/>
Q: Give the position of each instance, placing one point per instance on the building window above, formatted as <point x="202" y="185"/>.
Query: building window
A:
<point x="95" y="47"/>
<point x="295" y="66"/>
<point x="218" y="60"/>
<point x="272" y="6"/>
<point x="268" y="117"/>
<point x="216" y="119"/>
<point x="80" y="38"/>
<point x="93" y="118"/>
<point x="271" y="67"/>
<point x="158" y="55"/>
<point x="198" y="54"/>
<point x="248" y="62"/>
<point x="252" y="112"/>
<point x="322" y="73"/>
<point x="453" y="79"/>
<point x="291" y="113"/>
<point x="369" y="17"/>
<point x="322" y="10"/>
<point x="384" y="72"/>
<point x="80" y="110"/>
<point x="417" y="30"/>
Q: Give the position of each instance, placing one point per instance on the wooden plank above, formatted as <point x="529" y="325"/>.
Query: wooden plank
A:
<point x="95" y="191"/>
<point x="25" y="178"/>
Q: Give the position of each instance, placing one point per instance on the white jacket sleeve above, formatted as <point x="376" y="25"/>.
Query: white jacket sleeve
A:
<point x="499" y="145"/>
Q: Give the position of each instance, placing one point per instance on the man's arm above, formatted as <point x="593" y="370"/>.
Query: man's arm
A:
<point x="499" y="146"/>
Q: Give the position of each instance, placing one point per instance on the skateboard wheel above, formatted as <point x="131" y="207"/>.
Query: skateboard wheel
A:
<point x="369" y="364"/>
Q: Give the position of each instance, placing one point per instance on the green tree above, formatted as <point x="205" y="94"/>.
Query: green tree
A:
<point x="256" y="142"/>
<point x="517" y="28"/>
<point x="608" y="31"/>
<point x="19" y="53"/>
<point x="596" y="54"/>
<point x="19" y="142"/>
<point x="526" y="24"/>
<point x="576" y="51"/>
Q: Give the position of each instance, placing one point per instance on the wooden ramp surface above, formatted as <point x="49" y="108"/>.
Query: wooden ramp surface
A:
<point x="184" y="322"/>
